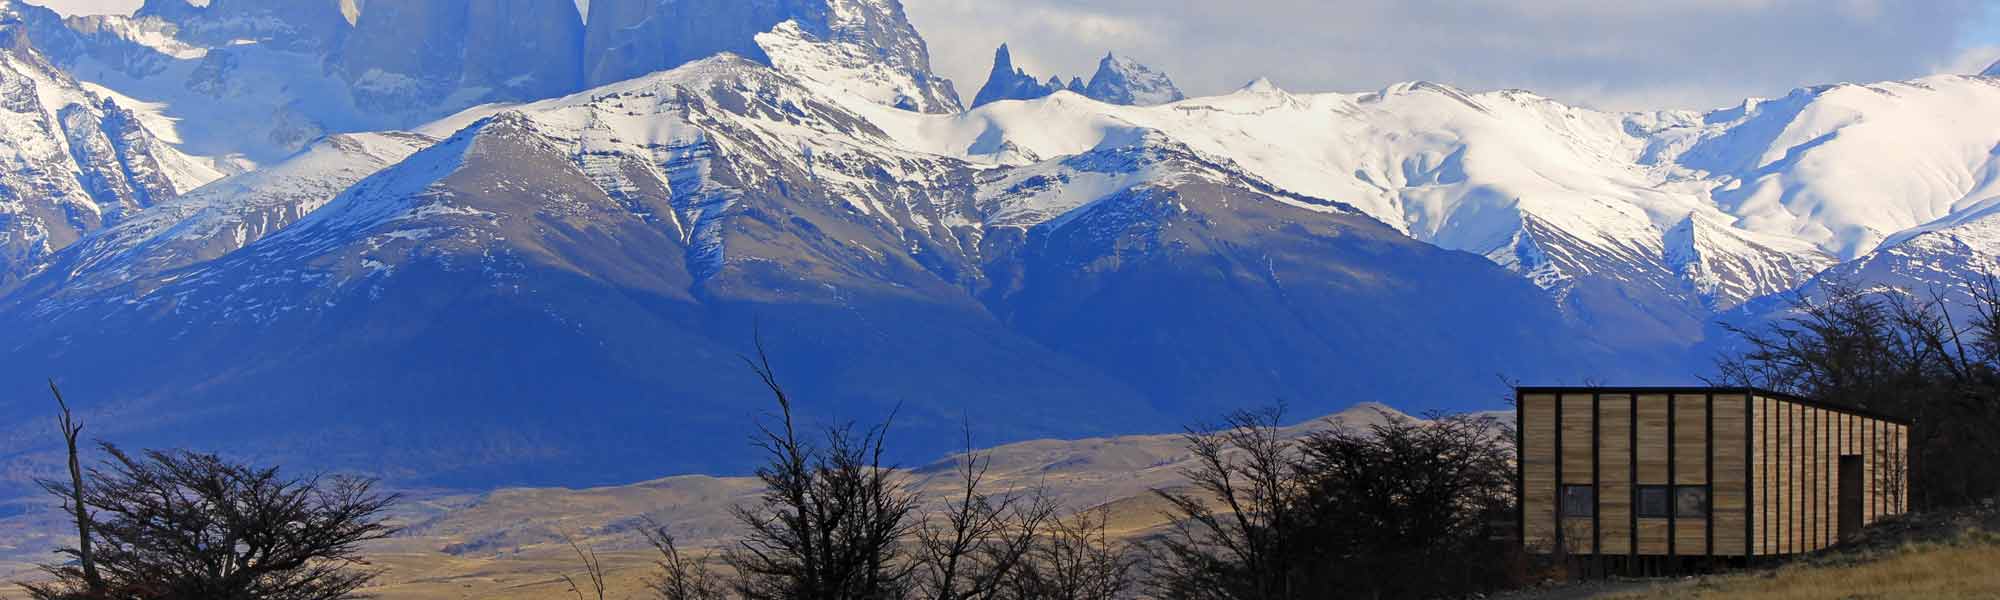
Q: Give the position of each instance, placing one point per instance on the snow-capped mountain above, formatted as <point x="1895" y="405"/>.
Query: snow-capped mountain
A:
<point x="1118" y="81"/>
<point x="866" y="44"/>
<point x="219" y="218"/>
<point x="620" y="242"/>
<point x="253" y="81"/>
<point x="407" y="52"/>
<point x="75" y="161"/>
<point x="433" y="247"/>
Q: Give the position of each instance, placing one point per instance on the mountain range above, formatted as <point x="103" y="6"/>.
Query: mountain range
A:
<point x="497" y="242"/>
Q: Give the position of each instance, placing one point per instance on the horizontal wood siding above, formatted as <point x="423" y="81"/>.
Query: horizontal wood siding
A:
<point x="1652" y="444"/>
<point x="1760" y="474"/>
<point x="1731" y="502"/>
<point x="1614" y="467"/>
<point x="1576" y="465"/>
<point x="1691" y="468"/>
<point x="1538" y="471"/>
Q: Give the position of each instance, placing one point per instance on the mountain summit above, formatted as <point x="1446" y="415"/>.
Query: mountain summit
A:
<point x="1121" y="81"/>
<point x="1009" y="82"/>
<point x="1118" y="81"/>
<point x="430" y="249"/>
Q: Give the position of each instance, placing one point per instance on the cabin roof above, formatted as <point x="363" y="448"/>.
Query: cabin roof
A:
<point x="1749" y="391"/>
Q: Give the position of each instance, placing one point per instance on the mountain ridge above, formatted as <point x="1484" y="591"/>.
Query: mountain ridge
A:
<point x="380" y="289"/>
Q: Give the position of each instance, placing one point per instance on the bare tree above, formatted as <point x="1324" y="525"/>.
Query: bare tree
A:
<point x="681" y="577"/>
<point x="831" y="520"/>
<point x="1405" y="508"/>
<point x="73" y="503"/>
<point x="178" y="525"/>
<point x="1229" y="535"/>
<point x="968" y="551"/>
<point x="1401" y="509"/>
<point x="1899" y="353"/>
<point x="593" y="570"/>
<point x="1076" y="559"/>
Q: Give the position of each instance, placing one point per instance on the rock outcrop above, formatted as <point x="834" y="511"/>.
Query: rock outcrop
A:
<point x="297" y="25"/>
<point x="1118" y="81"/>
<point x="868" y="47"/>
<point x="1009" y="82"/>
<point x="404" y="52"/>
<point x="1121" y="81"/>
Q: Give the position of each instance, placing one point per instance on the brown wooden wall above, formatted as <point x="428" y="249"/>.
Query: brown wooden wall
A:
<point x="1538" y="475"/>
<point x="1614" y="467"/>
<point x="1795" y="472"/>
<point x="1771" y="467"/>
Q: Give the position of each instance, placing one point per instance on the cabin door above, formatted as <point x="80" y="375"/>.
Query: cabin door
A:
<point x="1850" y="496"/>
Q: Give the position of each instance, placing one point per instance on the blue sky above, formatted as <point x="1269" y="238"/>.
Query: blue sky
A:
<point x="1611" y="54"/>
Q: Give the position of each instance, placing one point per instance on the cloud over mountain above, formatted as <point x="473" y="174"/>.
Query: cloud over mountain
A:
<point x="1679" y="53"/>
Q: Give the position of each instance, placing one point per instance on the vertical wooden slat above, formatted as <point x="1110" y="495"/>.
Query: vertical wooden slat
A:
<point x="1708" y="476"/>
<point x="1597" y="480"/>
<point x="1903" y="461"/>
<point x="1806" y="461"/>
<point x="1868" y="504"/>
<point x="1691" y="450"/>
<point x="1729" y="475"/>
<point x="1673" y="474"/>
<point x="1615" y="471"/>
<point x="1761" y="443"/>
<point x="1632" y="491"/>
<point x="1813" y="479"/>
<point x="1768" y="436"/>
<point x="1577" y="416"/>
<point x="1651" y="444"/>
<point x="1539" y="470"/>
<point x="1797" y="503"/>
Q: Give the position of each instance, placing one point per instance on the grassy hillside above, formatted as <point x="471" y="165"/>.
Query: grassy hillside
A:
<point x="1953" y="554"/>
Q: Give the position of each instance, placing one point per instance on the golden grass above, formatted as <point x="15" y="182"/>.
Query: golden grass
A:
<point x="1967" y="567"/>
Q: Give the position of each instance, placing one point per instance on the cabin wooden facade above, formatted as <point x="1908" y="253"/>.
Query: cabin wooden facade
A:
<point x="1656" y="478"/>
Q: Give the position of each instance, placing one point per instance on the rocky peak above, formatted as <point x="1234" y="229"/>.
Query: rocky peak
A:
<point x="531" y="48"/>
<point x="13" y="35"/>
<point x="1122" y="81"/>
<point x="629" y="38"/>
<point x="1992" y="70"/>
<point x="298" y="25"/>
<point x="866" y="46"/>
<point x="413" y="49"/>
<point x="1008" y="82"/>
<point x="86" y="162"/>
<point x="1118" y="81"/>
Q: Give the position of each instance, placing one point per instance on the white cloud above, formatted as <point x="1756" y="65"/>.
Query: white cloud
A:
<point x="1655" y="54"/>
<point x="91" y="7"/>
<point x="1652" y="54"/>
<point x="1971" y="60"/>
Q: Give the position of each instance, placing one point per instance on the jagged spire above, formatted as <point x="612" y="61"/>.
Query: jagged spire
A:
<point x="1009" y="82"/>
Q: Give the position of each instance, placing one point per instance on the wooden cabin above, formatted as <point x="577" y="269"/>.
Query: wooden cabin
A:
<point x="1661" y="479"/>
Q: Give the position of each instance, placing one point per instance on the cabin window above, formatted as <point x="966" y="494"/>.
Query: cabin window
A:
<point x="1691" y="501"/>
<point x="1579" y="501"/>
<point x="1654" y="502"/>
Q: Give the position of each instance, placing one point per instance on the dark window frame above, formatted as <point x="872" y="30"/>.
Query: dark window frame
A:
<point x="1707" y="501"/>
<point x="1570" y="509"/>
<point x="1666" y="502"/>
<point x="1671" y="495"/>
